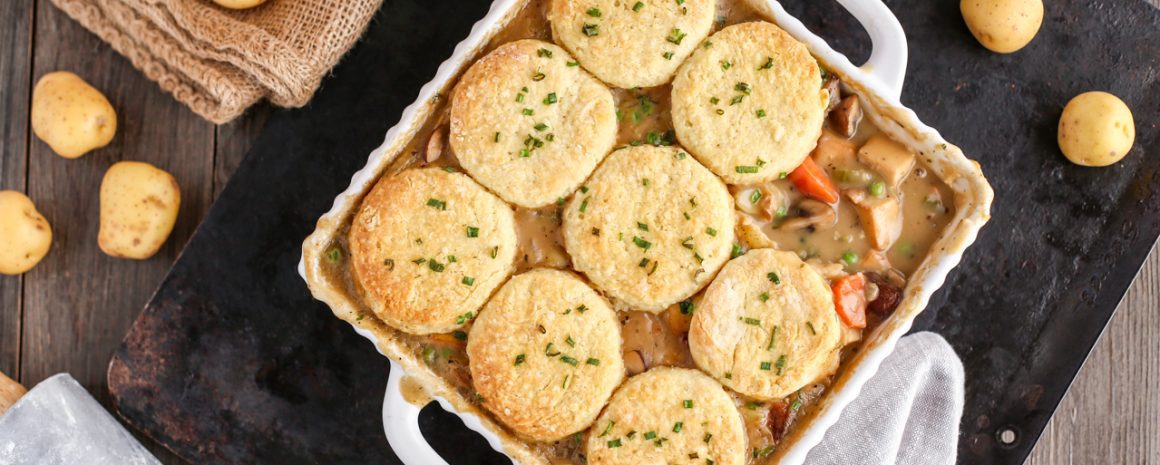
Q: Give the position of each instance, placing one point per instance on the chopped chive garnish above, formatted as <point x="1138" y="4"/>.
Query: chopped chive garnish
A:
<point x="468" y="280"/>
<point x="764" y="297"/>
<point x="437" y="204"/>
<point x="782" y="175"/>
<point x="550" y="99"/>
<point x="725" y="64"/>
<point x="650" y="435"/>
<point x="781" y="212"/>
<point x="667" y="55"/>
<point x="496" y="139"/>
<point x="519" y="98"/>
<point x="728" y="375"/>
<point x="714" y="100"/>
<point x="768" y="64"/>
<point x="550" y="350"/>
<point x="743" y="169"/>
<point x="780" y="364"/>
<point x="564" y="384"/>
<point x="678" y="426"/>
<point x="755" y="196"/>
<point x="681" y="155"/>
<point x="811" y="328"/>
<point x="708" y="437"/>
<point x="737" y="251"/>
<point x="720" y="112"/>
<point x="594" y="12"/>
<point x="584" y="205"/>
<point x="688" y="403"/>
<point x="451" y="169"/>
<point x="543" y="52"/>
<point x="760" y="113"/>
<point x="687" y="243"/>
<point x="642" y="226"/>
<point x="614" y="443"/>
<point x="607" y="429"/>
<point x="528" y="112"/>
<point x="582" y="308"/>
<point x="750" y="321"/>
<point x="643" y="262"/>
<point x="773" y="277"/>
<point x="590" y="30"/>
<point x="676" y="36"/>
<point x="435" y="266"/>
<point x="711" y="232"/>
<point x="452" y="259"/>
<point x="637" y="6"/>
<point x="472" y="231"/>
<point x="334" y="255"/>
<point x="572" y="64"/>
<point x="631" y="434"/>
<point x="583" y="189"/>
<point x="520" y="359"/>
<point x="766" y="366"/>
<point x="772" y="337"/>
<point x="559" y="201"/>
<point x="686" y="307"/>
<point x="571" y="342"/>
<point x="538" y="77"/>
<point x="569" y="360"/>
<point x="687" y="217"/>
<point x="708" y="44"/>
<point x="494" y="252"/>
<point x="743" y="88"/>
<point x="389" y="263"/>
<point x="419" y="261"/>
<point x="645" y="182"/>
<point x="593" y="361"/>
<point x="759" y="163"/>
<point x="641" y="243"/>
<point x="540" y="126"/>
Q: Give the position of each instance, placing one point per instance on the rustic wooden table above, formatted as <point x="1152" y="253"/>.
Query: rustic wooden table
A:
<point x="70" y="312"/>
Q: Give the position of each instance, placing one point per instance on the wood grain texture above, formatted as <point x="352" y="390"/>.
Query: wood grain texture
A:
<point x="16" y="79"/>
<point x="1110" y="414"/>
<point x="79" y="302"/>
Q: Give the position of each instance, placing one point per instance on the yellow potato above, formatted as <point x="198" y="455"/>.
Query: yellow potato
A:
<point x="1003" y="26"/>
<point x="239" y="4"/>
<point x="24" y="233"/>
<point x="71" y="116"/>
<point x="1096" y="129"/>
<point x="139" y="205"/>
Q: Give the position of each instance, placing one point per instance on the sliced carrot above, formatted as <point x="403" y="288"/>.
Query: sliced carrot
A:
<point x="850" y="300"/>
<point x="447" y="339"/>
<point x="812" y="180"/>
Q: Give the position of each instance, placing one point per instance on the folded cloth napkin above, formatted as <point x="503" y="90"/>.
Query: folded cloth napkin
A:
<point x="220" y="61"/>
<point x="907" y="414"/>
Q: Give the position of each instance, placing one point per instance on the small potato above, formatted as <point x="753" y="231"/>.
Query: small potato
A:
<point x="1003" y="26"/>
<point x="239" y="4"/>
<point x="71" y="116"/>
<point x="1096" y="129"/>
<point x="139" y="205"/>
<point x="24" y="233"/>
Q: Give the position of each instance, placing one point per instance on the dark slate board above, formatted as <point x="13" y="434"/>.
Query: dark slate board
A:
<point x="232" y="362"/>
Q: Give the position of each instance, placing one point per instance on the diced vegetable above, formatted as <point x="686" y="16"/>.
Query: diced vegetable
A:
<point x="850" y="300"/>
<point x="834" y="151"/>
<point x="847" y="115"/>
<point x="889" y="159"/>
<point x="812" y="180"/>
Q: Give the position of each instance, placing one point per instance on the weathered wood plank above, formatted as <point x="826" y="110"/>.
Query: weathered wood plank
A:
<point x="1109" y="415"/>
<point x="79" y="302"/>
<point x="15" y="76"/>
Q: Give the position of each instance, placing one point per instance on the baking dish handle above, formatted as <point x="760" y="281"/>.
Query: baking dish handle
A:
<point x="887" y="63"/>
<point x="401" y="424"/>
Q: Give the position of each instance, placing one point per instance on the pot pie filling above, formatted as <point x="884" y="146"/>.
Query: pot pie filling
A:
<point x="852" y="222"/>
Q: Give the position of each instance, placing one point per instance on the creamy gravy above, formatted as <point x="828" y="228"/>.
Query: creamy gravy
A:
<point x="651" y="340"/>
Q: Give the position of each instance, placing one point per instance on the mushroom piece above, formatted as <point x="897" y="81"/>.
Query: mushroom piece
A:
<point x="634" y="363"/>
<point x="819" y="215"/>
<point x="834" y="91"/>
<point x="435" y="144"/>
<point x="847" y="115"/>
<point x="887" y="295"/>
<point x="881" y="217"/>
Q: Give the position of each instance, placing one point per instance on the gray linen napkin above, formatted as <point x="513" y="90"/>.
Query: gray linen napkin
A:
<point x="907" y="414"/>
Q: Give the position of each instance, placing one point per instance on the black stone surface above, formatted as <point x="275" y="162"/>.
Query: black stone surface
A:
<point x="232" y="362"/>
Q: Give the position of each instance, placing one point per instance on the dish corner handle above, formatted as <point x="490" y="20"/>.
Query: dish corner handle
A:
<point x="401" y="424"/>
<point x="887" y="62"/>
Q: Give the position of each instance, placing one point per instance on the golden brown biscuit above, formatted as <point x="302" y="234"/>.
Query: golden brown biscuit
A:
<point x="766" y="326"/>
<point x="631" y="43"/>
<point x="650" y="227"/>
<point x="428" y="247"/>
<point x="545" y="354"/>
<point x="668" y="415"/>
<point x="527" y="125"/>
<point x="749" y="103"/>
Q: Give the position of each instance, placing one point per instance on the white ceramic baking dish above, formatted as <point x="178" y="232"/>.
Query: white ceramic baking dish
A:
<point x="878" y="83"/>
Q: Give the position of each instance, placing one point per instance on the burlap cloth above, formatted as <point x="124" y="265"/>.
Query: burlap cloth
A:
<point x="220" y="61"/>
